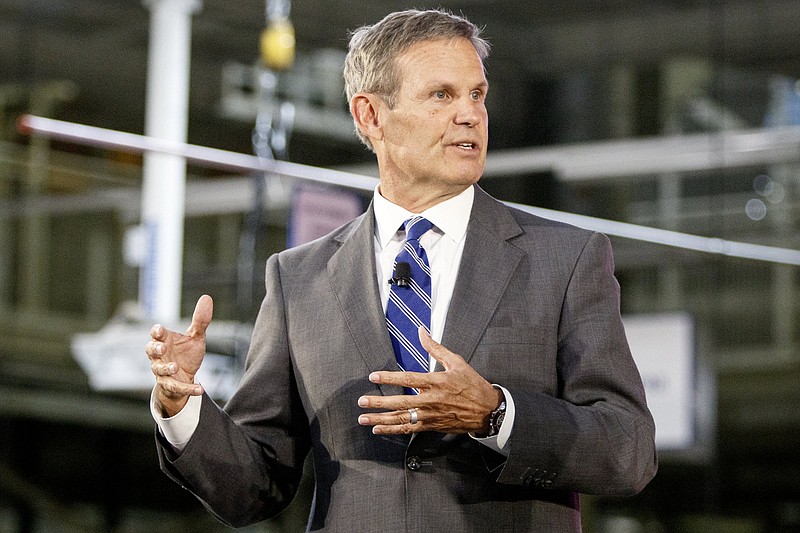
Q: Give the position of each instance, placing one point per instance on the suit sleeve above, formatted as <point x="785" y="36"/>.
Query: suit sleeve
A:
<point x="596" y="436"/>
<point x="244" y="463"/>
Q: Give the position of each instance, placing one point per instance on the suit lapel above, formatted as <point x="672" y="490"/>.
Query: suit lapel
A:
<point x="352" y="273"/>
<point x="487" y="265"/>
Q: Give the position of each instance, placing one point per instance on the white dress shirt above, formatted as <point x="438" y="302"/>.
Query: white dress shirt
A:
<point x="444" y="246"/>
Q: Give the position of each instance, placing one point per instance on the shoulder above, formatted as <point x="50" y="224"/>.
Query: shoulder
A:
<point x="522" y="225"/>
<point x="321" y="249"/>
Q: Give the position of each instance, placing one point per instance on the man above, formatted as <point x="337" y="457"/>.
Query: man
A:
<point x="533" y="397"/>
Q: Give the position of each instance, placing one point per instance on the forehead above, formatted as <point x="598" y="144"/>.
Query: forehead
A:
<point x="446" y="59"/>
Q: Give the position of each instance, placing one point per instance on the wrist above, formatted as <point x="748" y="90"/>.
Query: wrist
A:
<point x="497" y="417"/>
<point x="491" y="423"/>
<point x="169" y="406"/>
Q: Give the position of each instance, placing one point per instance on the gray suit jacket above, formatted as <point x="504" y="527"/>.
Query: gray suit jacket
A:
<point x="535" y="309"/>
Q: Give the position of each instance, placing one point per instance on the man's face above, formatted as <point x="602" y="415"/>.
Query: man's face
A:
<point x="434" y="139"/>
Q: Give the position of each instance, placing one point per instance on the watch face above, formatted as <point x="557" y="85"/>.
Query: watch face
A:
<point x="497" y="420"/>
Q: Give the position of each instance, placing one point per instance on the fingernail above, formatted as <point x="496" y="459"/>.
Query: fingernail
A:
<point x="171" y="367"/>
<point x="198" y="390"/>
<point x="374" y="377"/>
<point x="160" y="349"/>
<point x="363" y="402"/>
<point x="363" y="420"/>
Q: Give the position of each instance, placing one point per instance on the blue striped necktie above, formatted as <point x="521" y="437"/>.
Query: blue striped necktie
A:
<point x="409" y="305"/>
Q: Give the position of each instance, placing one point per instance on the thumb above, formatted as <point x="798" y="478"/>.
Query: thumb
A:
<point x="201" y="317"/>
<point x="436" y="350"/>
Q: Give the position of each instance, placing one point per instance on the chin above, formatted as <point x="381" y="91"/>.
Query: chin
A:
<point x="468" y="177"/>
<point x="463" y="183"/>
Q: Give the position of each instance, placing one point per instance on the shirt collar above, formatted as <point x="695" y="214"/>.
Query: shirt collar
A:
<point x="450" y="216"/>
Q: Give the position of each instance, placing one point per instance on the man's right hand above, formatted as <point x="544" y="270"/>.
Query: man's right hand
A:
<point x="176" y="358"/>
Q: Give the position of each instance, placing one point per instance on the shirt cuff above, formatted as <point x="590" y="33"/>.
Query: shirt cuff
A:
<point x="178" y="429"/>
<point x="498" y="442"/>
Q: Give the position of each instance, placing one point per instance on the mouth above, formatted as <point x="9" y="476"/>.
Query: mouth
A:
<point x="466" y="145"/>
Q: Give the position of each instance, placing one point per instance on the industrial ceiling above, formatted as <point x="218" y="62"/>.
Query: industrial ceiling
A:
<point x="99" y="48"/>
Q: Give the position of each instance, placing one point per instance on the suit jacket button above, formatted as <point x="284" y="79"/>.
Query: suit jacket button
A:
<point x="413" y="463"/>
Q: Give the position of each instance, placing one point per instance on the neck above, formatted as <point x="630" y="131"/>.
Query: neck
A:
<point x="417" y="201"/>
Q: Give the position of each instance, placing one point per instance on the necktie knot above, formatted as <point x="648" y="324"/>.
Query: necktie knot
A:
<point x="416" y="227"/>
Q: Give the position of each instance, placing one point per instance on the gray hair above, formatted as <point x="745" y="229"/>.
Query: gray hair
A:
<point x="370" y="62"/>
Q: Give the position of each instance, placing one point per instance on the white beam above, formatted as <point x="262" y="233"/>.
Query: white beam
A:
<point x="653" y="156"/>
<point x="749" y="143"/>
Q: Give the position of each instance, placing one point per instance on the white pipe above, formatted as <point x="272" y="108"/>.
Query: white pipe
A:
<point x="164" y="185"/>
<point x="214" y="157"/>
<point x="127" y="141"/>
<point x="675" y="239"/>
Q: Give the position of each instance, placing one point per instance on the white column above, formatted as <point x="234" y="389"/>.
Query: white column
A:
<point x="165" y="175"/>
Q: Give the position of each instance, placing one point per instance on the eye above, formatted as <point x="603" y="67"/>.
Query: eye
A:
<point x="440" y="94"/>
<point x="476" y="95"/>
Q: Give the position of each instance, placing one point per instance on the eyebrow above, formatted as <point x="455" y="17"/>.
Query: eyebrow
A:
<point x="484" y="85"/>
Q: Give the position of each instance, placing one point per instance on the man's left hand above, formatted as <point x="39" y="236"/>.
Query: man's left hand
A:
<point x="457" y="400"/>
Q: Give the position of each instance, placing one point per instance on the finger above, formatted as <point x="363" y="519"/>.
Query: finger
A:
<point x="158" y="332"/>
<point x="154" y="349"/>
<point x="392" y="422"/>
<point x="174" y="387"/>
<point x="437" y="351"/>
<point x="402" y="429"/>
<point x="398" y="402"/>
<point x="163" y="369"/>
<point x="201" y="318"/>
<point x="393" y="418"/>
<point x="413" y="380"/>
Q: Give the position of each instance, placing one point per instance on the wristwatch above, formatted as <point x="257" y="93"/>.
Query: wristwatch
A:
<point x="496" y="419"/>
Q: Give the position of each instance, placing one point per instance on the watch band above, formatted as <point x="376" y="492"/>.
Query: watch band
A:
<point x="496" y="419"/>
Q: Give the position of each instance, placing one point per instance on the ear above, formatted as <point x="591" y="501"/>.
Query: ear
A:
<point x="365" y="110"/>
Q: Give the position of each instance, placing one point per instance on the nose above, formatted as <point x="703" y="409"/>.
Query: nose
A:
<point x="470" y="112"/>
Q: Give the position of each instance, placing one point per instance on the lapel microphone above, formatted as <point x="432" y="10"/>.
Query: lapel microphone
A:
<point x="402" y="275"/>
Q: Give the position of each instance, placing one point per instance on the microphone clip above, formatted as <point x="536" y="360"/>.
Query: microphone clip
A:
<point x="402" y="275"/>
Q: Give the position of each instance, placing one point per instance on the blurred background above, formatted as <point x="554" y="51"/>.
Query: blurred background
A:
<point x="676" y="118"/>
